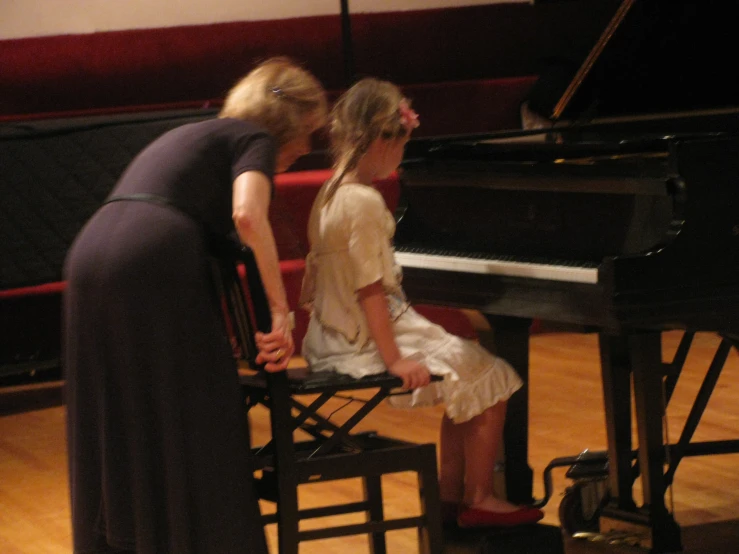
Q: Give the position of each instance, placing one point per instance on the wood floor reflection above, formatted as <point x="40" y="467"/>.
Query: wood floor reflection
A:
<point x="566" y="417"/>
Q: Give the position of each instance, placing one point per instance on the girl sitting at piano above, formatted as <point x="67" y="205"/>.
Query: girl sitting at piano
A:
<point x="361" y="322"/>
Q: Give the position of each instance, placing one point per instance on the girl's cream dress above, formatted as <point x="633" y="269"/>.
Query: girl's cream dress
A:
<point x="351" y="247"/>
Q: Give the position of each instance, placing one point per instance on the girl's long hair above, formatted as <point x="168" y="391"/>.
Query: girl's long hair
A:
<point x="367" y="111"/>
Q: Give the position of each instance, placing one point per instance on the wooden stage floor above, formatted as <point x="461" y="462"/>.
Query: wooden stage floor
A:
<point x="566" y="417"/>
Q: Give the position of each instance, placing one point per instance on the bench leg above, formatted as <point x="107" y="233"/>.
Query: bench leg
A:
<point x="430" y="536"/>
<point x="288" y="522"/>
<point x="373" y="495"/>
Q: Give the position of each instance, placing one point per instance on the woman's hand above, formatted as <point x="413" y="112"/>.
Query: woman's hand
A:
<point x="413" y="373"/>
<point x="276" y="347"/>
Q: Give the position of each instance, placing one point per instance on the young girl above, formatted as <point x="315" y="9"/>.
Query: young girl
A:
<point x="361" y="322"/>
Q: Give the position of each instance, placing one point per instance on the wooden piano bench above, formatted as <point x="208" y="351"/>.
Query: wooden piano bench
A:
<point x="333" y="451"/>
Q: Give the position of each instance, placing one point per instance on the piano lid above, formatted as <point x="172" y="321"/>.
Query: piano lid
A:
<point x="655" y="57"/>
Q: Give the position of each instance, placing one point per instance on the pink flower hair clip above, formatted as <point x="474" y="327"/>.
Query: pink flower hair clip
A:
<point x="408" y="117"/>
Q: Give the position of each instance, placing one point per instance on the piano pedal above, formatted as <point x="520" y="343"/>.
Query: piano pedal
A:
<point x="611" y="538"/>
<point x="581" y="504"/>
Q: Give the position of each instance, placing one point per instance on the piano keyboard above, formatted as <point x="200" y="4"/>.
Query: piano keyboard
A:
<point x="509" y="268"/>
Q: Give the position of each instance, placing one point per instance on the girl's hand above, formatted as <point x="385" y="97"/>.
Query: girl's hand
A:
<point x="413" y="373"/>
<point x="276" y="347"/>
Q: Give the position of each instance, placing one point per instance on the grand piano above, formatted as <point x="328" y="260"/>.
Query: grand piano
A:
<point x="620" y="216"/>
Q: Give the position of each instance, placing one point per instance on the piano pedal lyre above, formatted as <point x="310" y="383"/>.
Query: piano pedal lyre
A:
<point x="580" y="507"/>
<point x="581" y="504"/>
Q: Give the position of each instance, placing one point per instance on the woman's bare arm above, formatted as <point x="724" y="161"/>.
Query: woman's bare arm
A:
<point x="251" y="198"/>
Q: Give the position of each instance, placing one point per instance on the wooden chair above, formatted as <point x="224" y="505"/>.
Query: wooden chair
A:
<point x="333" y="452"/>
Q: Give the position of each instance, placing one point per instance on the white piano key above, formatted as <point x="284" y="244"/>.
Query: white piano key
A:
<point x="528" y="270"/>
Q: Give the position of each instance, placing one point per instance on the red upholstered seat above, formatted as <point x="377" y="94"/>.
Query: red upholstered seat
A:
<point x="38" y="290"/>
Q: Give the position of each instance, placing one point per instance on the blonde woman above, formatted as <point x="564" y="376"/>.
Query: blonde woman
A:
<point x="158" y="450"/>
<point x="361" y="322"/>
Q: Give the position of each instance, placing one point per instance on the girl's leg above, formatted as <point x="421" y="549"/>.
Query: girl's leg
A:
<point x="451" y="471"/>
<point x="482" y="438"/>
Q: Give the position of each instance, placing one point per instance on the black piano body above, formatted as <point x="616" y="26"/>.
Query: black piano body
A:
<point x="645" y="235"/>
<point x="625" y="225"/>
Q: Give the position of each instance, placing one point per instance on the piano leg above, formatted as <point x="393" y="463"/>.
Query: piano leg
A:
<point x="509" y="339"/>
<point x="652" y="524"/>
<point x="646" y="355"/>
<point x="616" y="377"/>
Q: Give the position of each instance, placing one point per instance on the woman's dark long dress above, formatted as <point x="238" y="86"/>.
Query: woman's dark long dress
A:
<point x="157" y="437"/>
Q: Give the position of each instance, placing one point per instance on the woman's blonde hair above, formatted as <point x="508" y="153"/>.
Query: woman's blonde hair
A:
<point x="278" y="95"/>
<point x="369" y="110"/>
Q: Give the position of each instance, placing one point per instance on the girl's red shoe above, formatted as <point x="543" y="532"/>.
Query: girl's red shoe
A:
<point x="525" y="515"/>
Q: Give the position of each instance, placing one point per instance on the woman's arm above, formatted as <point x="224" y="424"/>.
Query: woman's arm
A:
<point x="374" y="304"/>
<point x="251" y="198"/>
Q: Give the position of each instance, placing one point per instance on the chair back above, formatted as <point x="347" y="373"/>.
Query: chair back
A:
<point x="244" y="300"/>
